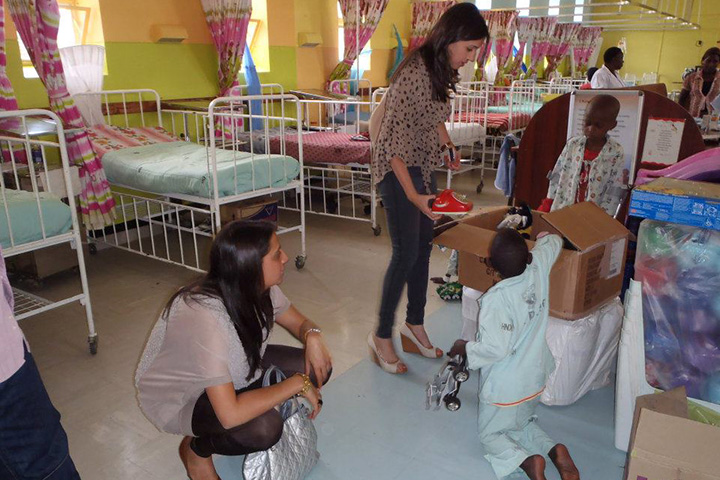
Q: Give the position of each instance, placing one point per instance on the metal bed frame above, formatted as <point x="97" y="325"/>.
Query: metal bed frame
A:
<point x="37" y="153"/>
<point x="170" y="227"/>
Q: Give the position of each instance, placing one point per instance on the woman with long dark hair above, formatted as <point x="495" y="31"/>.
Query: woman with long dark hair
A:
<point x="201" y="372"/>
<point x="411" y="144"/>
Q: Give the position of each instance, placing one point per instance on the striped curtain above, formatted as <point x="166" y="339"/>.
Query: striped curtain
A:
<point x="541" y="32"/>
<point x="228" y="21"/>
<point x="37" y="23"/>
<point x="502" y="26"/>
<point x="583" y="47"/>
<point x="424" y="17"/>
<point x="525" y="27"/>
<point x="360" y="24"/>
<point x="560" y="44"/>
<point x="7" y="99"/>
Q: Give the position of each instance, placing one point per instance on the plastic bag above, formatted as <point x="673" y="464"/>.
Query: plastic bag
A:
<point x="679" y="267"/>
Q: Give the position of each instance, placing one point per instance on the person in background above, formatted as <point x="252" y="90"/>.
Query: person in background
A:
<point x="587" y="85"/>
<point x="33" y="444"/>
<point x="591" y="166"/>
<point x="702" y="87"/>
<point x="411" y="143"/>
<point x="607" y="76"/>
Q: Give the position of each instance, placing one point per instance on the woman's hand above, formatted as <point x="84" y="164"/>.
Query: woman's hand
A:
<point x="451" y="158"/>
<point x="317" y="358"/>
<point x="422" y="202"/>
<point x="313" y="396"/>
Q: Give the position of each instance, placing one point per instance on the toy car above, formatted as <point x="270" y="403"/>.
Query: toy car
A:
<point x="445" y="386"/>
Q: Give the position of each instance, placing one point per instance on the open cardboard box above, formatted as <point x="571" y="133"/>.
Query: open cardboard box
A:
<point x="588" y="273"/>
<point x="665" y="444"/>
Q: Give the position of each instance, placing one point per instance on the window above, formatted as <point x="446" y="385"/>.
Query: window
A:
<point x="579" y="10"/>
<point x="483" y="4"/>
<point x="523" y="6"/>
<point x="554" y="11"/>
<point x="364" y="54"/>
<point x="80" y="24"/>
<point x="257" y="36"/>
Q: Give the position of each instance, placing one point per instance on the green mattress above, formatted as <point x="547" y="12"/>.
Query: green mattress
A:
<point x="24" y="215"/>
<point x="183" y="168"/>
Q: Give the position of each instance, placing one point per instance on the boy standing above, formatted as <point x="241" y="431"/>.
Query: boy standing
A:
<point x="514" y="358"/>
<point x="591" y="166"/>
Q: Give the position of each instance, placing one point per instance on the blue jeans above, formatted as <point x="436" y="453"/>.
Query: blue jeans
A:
<point x="411" y="234"/>
<point x="33" y="444"/>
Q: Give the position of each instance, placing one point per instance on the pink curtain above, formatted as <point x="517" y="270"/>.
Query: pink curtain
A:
<point x="424" y="17"/>
<point x="560" y="44"/>
<point x="583" y="46"/>
<point x="358" y="27"/>
<point x="228" y="22"/>
<point x="7" y="99"/>
<point x="540" y="32"/>
<point x="502" y="26"/>
<point x="37" y="23"/>
<point x="525" y="26"/>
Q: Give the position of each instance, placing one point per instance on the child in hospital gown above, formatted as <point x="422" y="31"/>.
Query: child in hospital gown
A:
<point x="514" y="358"/>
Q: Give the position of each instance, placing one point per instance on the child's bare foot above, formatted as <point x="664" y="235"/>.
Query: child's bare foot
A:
<point x="197" y="468"/>
<point x="534" y="467"/>
<point x="560" y="456"/>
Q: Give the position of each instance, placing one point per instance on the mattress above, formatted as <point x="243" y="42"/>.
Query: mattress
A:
<point x="326" y="148"/>
<point x="525" y="108"/>
<point x="25" y="218"/>
<point x="465" y="133"/>
<point x="496" y="122"/>
<point x="183" y="168"/>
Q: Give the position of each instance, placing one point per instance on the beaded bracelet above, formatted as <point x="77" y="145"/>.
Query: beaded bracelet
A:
<point x="311" y="330"/>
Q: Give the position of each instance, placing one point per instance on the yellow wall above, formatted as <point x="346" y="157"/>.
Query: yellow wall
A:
<point x="668" y="52"/>
<point x="189" y="69"/>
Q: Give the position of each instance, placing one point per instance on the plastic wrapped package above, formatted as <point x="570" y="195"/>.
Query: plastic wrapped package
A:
<point x="585" y="353"/>
<point x="584" y="350"/>
<point x="679" y="267"/>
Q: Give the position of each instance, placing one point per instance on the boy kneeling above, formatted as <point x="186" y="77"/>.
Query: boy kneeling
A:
<point x="514" y="357"/>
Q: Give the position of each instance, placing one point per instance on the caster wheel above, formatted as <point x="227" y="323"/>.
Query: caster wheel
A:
<point x="377" y="230"/>
<point x="299" y="262"/>
<point x="92" y="248"/>
<point x="479" y="188"/>
<point x="93" y="345"/>
<point x="452" y="403"/>
<point x="461" y="376"/>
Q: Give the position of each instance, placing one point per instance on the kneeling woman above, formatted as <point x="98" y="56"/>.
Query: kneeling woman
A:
<point x="201" y="372"/>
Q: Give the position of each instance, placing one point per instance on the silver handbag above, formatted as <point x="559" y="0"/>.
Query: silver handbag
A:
<point x="296" y="453"/>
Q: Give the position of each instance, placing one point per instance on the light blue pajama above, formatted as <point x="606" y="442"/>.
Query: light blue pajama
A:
<point x="515" y="361"/>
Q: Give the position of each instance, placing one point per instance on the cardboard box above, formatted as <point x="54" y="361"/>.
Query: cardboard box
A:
<point x="666" y="445"/>
<point x="252" y="209"/>
<point x="588" y="273"/>
<point x="696" y="204"/>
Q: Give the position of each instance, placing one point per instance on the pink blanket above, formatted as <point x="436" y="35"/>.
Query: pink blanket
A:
<point x="325" y="148"/>
<point x="106" y="138"/>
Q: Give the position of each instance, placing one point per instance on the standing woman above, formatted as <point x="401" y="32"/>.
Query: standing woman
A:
<point x="701" y="87"/>
<point x="411" y="144"/>
<point x="202" y="369"/>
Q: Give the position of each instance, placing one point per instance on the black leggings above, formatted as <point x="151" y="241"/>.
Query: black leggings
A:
<point x="256" y="435"/>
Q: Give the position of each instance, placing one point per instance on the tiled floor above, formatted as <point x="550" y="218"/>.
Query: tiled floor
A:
<point x="338" y="288"/>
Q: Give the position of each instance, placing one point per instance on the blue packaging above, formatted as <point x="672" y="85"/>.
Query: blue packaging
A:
<point x="696" y="204"/>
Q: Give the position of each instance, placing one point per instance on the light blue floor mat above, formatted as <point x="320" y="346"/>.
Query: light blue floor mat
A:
<point x="375" y="426"/>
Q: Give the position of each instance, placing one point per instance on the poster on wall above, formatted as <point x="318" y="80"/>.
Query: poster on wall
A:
<point x="662" y="140"/>
<point x="627" y="131"/>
